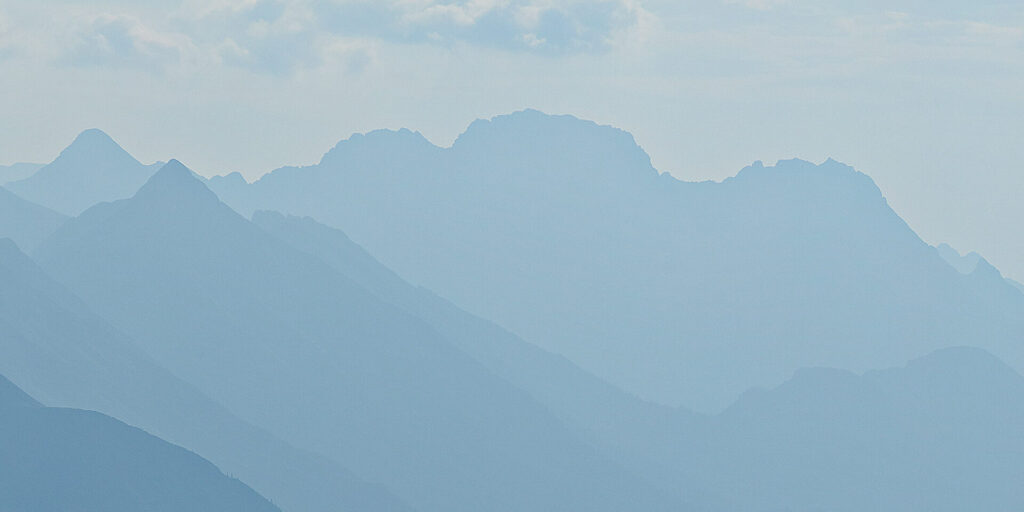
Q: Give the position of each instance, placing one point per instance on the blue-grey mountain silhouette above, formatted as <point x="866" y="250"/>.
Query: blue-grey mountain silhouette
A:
<point x="58" y="350"/>
<point x="25" y="222"/>
<point x="684" y="293"/>
<point x="290" y="344"/>
<point x="940" y="434"/>
<point x="1016" y="284"/>
<point x="968" y="263"/>
<point x="965" y="264"/>
<point x="57" y="460"/>
<point x="621" y="424"/>
<point x="15" y="172"/>
<point x="92" y="169"/>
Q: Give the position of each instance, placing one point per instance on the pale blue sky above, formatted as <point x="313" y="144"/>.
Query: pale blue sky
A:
<point x="922" y="95"/>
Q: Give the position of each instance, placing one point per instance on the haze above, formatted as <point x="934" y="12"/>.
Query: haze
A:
<point x="923" y="96"/>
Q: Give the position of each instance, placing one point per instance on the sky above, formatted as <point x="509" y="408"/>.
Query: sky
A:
<point x="922" y="95"/>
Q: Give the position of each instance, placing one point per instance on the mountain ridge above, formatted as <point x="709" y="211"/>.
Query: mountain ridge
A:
<point x="289" y="344"/>
<point x="546" y="224"/>
<point x="72" y="459"/>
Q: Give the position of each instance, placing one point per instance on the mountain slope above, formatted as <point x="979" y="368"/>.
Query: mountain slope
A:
<point x="289" y="344"/>
<point x="68" y="459"/>
<point x="561" y="231"/>
<point x="61" y="352"/>
<point x="622" y="425"/>
<point x="15" y="172"/>
<point x="940" y="434"/>
<point x="91" y="170"/>
<point x="24" y="222"/>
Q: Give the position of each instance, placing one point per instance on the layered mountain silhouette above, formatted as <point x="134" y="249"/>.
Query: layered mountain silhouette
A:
<point x="91" y="170"/>
<point x="55" y="459"/>
<point x="15" y="172"/>
<point x="290" y="344"/>
<point x="630" y="429"/>
<point x="1016" y="284"/>
<point x="684" y="293"/>
<point x="562" y="232"/>
<point x="24" y="222"/>
<point x="825" y="440"/>
<point x="968" y="263"/>
<point x="939" y="434"/>
<point x="58" y="350"/>
<point x="965" y="264"/>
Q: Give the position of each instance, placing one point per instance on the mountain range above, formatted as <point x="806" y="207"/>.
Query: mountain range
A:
<point x="61" y="352"/>
<point x="16" y="172"/>
<point x="524" y="321"/>
<point x="940" y="433"/>
<point x="56" y="459"/>
<point x="562" y="232"/>
<point x="92" y="169"/>
<point x="24" y="222"/>
<point x="289" y="344"/>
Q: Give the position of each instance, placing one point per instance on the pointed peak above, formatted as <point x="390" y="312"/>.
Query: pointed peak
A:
<point x="93" y="135"/>
<point x="93" y="140"/>
<point x="175" y="181"/>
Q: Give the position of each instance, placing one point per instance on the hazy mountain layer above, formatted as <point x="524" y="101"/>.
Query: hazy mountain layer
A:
<point x="685" y="293"/>
<point x="60" y="352"/>
<point x="24" y="222"/>
<point x="289" y="343"/>
<point x="624" y="426"/>
<point x="940" y="434"/>
<point x="92" y="169"/>
<point x="15" y="172"/>
<point x="57" y="460"/>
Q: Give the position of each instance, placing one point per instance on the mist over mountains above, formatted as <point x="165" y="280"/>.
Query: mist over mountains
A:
<point x="531" y="319"/>
<point x="92" y="169"/>
<point x="54" y="459"/>
<point x="683" y="293"/>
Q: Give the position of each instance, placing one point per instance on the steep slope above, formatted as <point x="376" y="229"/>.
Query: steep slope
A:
<point x="91" y="170"/>
<point x="684" y="293"/>
<point x="24" y="222"/>
<point x="290" y="344"/>
<point x="60" y="352"/>
<point x="940" y="434"/>
<point x="1016" y="285"/>
<point x="15" y="172"/>
<point x="69" y="459"/>
<point x="631" y="430"/>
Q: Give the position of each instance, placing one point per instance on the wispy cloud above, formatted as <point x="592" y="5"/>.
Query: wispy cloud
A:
<point x="120" y="40"/>
<point x="537" y="26"/>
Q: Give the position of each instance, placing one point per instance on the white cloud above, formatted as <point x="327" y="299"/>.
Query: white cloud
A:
<point x="119" y="40"/>
<point x="537" y="26"/>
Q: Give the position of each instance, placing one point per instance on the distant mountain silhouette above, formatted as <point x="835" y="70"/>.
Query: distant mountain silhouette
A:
<point x="940" y="434"/>
<point x="91" y="170"/>
<point x="15" y="172"/>
<point x="965" y="264"/>
<point x="684" y="293"/>
<point x="61" y="352"/>
<point x="290" y="344"/>
<point x="56" y="460"/>
<point x="24" y="222"/>
<point x="619" y="423"/>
